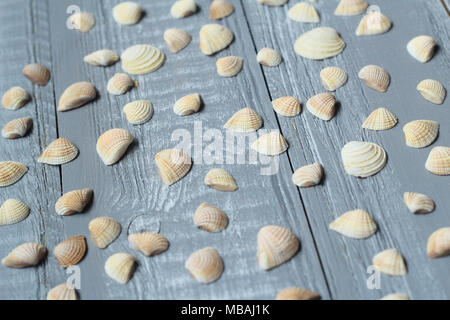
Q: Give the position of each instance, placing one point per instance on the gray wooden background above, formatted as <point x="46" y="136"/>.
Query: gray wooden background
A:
<point x="130" y="191"/>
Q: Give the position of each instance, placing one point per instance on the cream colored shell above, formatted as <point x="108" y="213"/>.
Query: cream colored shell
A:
<point x="59" y="152"/>
<point x="295" y="293"/>
<point x="205" y="265"/>
<point x="142" y="59"/>
<point x="15" y="98"/>
<point x="11" y="172"/>
<point x="112" y="145"/>
<point x="119" y="84"/>
<point x="183" y="8"/>
<point x="17" y="128"/>
<point x="421" y="48"/>
<point x="220" y="9"/>
<point x="438" y="161"/>
<point x="303" y="12"/>
<point x="439" y="243"/>
<point x="319" y="43"/>
<point x="245" y="120"/>
<point x="308" y="176"/>
<point x="102" y="58"/>
<point x="420" y="133"/>
<point x="418" y="202"/>
<point x="380" y="119"/>
<point x="138" y="112"/>
<point x="373" y="23"/>
<point x="176" y="39"/>
<point x="73" y="202"/>
<point x="62" y="292"/>
<point x="432" y="90"/>
<point x="322" y="105"/>
<point x="187" y="105"/>
<point x="104" y="231"/>
<point x="390" y="262"/>
<point x="82" y="21"/>
<point x="13" y="211"/>
<point x="77" y="95"/>
<point x="229" y="66"/>
<point x="214" y="38"/>
<point x="357" y="224"/>
<point x="36" y="73"/>
<point x="287" y="106"/>
<point x="25" y="255"/>
<point x="127" y="13"/>
<point x="375" y="77"/>
<point x="172" y="165"/>
<point x="210" y="218"/>
<point x="363" y="159"/>
<point x="270" y="144"/>
<point x="268" y="57"/>
<point x="120" y="267"/>
<point x="350" y="7"/>
<point x="221" y="180"/>
<point x="333" y="78"/>
<point x="148" y="243"/>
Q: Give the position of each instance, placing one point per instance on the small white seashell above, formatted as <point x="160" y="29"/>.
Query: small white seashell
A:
<point x="26" y="255"/>
<point x="220" y="9"/>
<point x="77" y="95"/>
<point x="82" y="21"/>
<point x="73" y="202"/>
<point x="13" y="211"/>
<point x="322" y="105"/>
<point x="183" y="8"/>
<point x="308" y="176"/>
<point x="268" y="57"/>
<point x="273" y="2"/>
<point x="380" y="119"/>
<point x="375" y="77"/>
<point x="104" y="231"/>
<point x="390" y="262"/>
<point x="421" y="48"/>
<point x="432" y="90"/>
<point x="373" y="23"/>
<point x="119" y="84"/>
<point x="142" y="59"/>
<point x="270" y="144"/>
<point x="17" y="128"/>
<point x="229" y="66"/>
<point x="438" y="161"/>
<point x="102" y="58"/>
<point x="214" y="38"/>
<point x="138" y="112"/>
<point x="363" y="159"/>
<point x="148" y="243"/>
<point x="418" y="202"/>
<point x="172" y="165"/>
<point x="11" y="172"/>
<point x="396" y="296"/>
<point x="295" y="293"/>
<point x="287" y="106"/>
<point x="36" y="73"/>
<point x="210" y="218"/>
<point x="420" y="133"/>
<point x="120" y="267"/>
<point x="205" y="265"/>
<point x="127" y="13"/>
<point x="303" y="12"/>
<point x="62" y="292"/>
<point x="113" y="144"/>
<point x="59" y="152"/>
<point x="333" y="78"/>
<point x="245" y="120"/>
<point x="319" y="43"/>
<point x="357" y="224"/>
<point x="187" y="105"/>
<point x="15" y="98"/>
<point x="221" y="180"/>
<point x="350" y="7"/>
<point x="439" y="243"/>
<point x="176" y="39"/>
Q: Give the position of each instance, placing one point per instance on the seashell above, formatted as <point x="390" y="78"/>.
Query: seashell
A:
<point x="62" y="292"/>
<point x="420" y="133"/>
<point x="363" y="159"/>
<point x="375" y="77"/>
<point x="357" y="224"/>
<point x="308" y="176"/>
<point x="120" y="267"/>
<point x="333" y="78"/>
<point x="187" y="105"/>
<point x="26" y="255"/>
<point x="15" y="98"/>
<point x="183" y="8"/>
<point x="268" y="57"/>
<point x="176" y="39"/>
<point x="210" y="218"/>
<point x="396" y="296"/>
<point x="421" y="48"/>
<point x="418" y="202"/>
<point x="119" y="84"/>
<point x="101" y="58"/>
<point x="220" y="9"/>
<point x="77" y="95"/>
<point x="112" y="145"/>
<point x="221" y="180"/>
<point x="270" y="144"/>
<point x="172" y="165"/>
<point x="59" y="152"/>
<point x="148" y="243"/>
<point x="432" y="90"/>
<point x="17" y="128"/>
<point x="104" y="231"/>
<point x="303" y="12"/>
<point x="295" y="293"/>
<point x="287" y="106"/>
<point x="36" y="73"/>
<point x="438" y="161"/>
<point x="273" y="2"/>
<point x="276" y="245"/>
<point x="82" y="21"/>
<point x="142" y="59"/>
<point x="70" y="251"/>
<point x="350" y="7"/>
<point x="73" y="202"/>
<point x="127" y="13"/>
<point x="138" y="112"/>
<point x="319" y="43"/>
<point x="214" y="38"/>
<point x="11" y="172"/>
<point x="380" y="119"/>
<point x="390" y="262"/>
<point x="13" y="211"/>
<point x="439" y="243"/>
<point x="245" y="120"/>
<point x="229" y="66"/>
<point x="322" y="105"/>
<point x="373" y="23"/>
<point x="205" y="265"/>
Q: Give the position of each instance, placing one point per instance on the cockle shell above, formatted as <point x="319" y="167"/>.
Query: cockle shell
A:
<point x="432" y="90"/>
<point x="287" y="106"/>
<point x="439" y="243"/>
<point x="101" y="58"/>
<point x="390" y="262"/>
<point x="273" y="2"/>
<point x="62" y="292"/>
<point x="418" y="202"/>
<point x="26" y="255"/>
<point x="308" y="176"/>
<point x="187" y="105"/>
<point x="127" y="13"/>
<point x="373" y="23"/>
<point x="270" y="144"/>
<point x="112" y="145"/>
<point x="295" y="293"/>
<point x="59" y="152"/>
<point x="322" y="105"/>
<point x="303" y="12"/>
<point x="220" y="9"/>
<point x="148" y="243"/>
<point x="104" y="231"/>
<point x="183" y="8"/>
<point x="119" y="84"/>
<point x="11" y="172"/>
<point x="375" y="77"/>
<point x="176" y="39"/>
<point x="15" y="98"/>
<point x="73" y="202"/>
<point x="70" y="251"/>
<point x="319" y="43"/>
<point x="36" y="73"/>
<point x="229" y="66"/>
<point x="77" y="95"/>
<point x="210" y="218"/>
<point x="268" y="57"/>
<point x="396" y="296"/>
<point x="363" y="159"/>
<point x="120" y="267"/>
<point x="214" y="38"/>
<point x="13" y="211"/>
<point x="172" y="165"/>
<point x="357" y="224"/>
<point x="245" y="120"/>
<point x="438" y="161"/>
<point x="421" y="48"/>
<point x="221" y="180"/>
<point x="17" y="128"/>
<point x="142" y="59"/>
<point x="333" y="78"/>
<point x="138" y="112"/>
<point x="350" y="7"/>
<point x="380" y="119"/>
<point x="420" y="133"/>
<point x="82" y="21"/>
<point x="205" y="265"/>
<point x="276" y="245"/>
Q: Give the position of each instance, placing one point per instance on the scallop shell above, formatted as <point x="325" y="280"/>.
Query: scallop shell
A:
<point x="380" y="119"/>
<point x="11" y="172"/>
<point x="287" y="106"/>
<point x="295" y="293"/>
<point x="322" y="105"/>
<point x="119" y="84"/>
<point x="210" y="218"/>
<point x="142" y="59"/>
<point x="15" y="98"/>
<point x="73" y="202"/>
<point x="62" y="292"/>
<point x="138" y="112"/>
<point x="276" y="245"/>
<point x="432" y="90"/>
<point x="148" y="243"/>
<point x="112" y="145"/>
<point x="303" y="12"/>
<point x="205" y="265"/>
<point x="363" y="159"/>
<point x="270" y="144"/>
<point x="390" y="262"/>
<point x="104" y="231"/>
<point x="26" y="255"/>
<point x="439" y="243"/>
<point x="172" y="165"/>
<point x="36" y="73"/>
<point x="375" y="77"/>
<point x="187" y="105"/>
<point x="220" y="9"/>
<point x="308" y="176"/>
<point x="221" y="180"/>
<point x="268" y="57"/>
<point x="319" y="43"/>
<point x="70" y="251"/>
<point x="17" y="128"/>
<point x="333" y="78"/>
<point x="120" y="267"/>
<point x="13" y="211"/>
<point x="229" y="66"/>
<point x="420" y="133"/>
<point x="245" y="120"/>
<point x="214" y="38"/>
<point x="438" y="161"/>
<point x="101" y="58"/>
<point x="418" y="202"/>
<point x="82" y="21"/>
<point x="373" y="23"/>
<point x="273" y="2"/>
<point x="396" y="296"/>
<point x="127" y="13"/>
<point x="350" y="7"/>
<point x="176" y="39"/>
<point x="77" y="95"/>
<point x="421" y="48"/>
<point x="59" y="152"/>
<point x="357" y="224"/>
<point x="183" y="8"/>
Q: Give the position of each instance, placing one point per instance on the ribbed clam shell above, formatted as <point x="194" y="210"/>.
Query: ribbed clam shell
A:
<point x="396" y="296"/>
<point x="205" y="265"/>
<point x="210" y="218"/>
<point x="220" y="9"/>
<point x="276" y="245"/>
<point x="148" y="243"/>
<point x="127" y="13"/>
<point x="172" y="165"/>
<point x="62" y="292"/>
<point x="119" y="84"/>
<point x="363" y="159"/>
<point x="295" y="293"/>
<point x="176" y="39"/>
<point x="26" y="255"/>
<point x="120" y="267"/>
<point x="221" y="180"/>
<point x="319" y="43"/>
<point x="17" y="128"/>
<point x="270" y="144"/>
<point x="187" y="105"/>
<point x="333" y="78"/>
<point x="418" y="202"/>
<point x="102" y="58"/>
<point x="438" y="161"/>
<point x="308" y="176"/>
<point x="380" y="119"/>
<point x="439" y="243"/>
<point x="13" y="211"/>
<point x="421" y="48"/>
<point x="214" y="38"/>
<point x="420" y="133"/>
<point x="73" y="202"/>
<point x="432" y="90"/>
<point x="82" y="21"/>
<point x="112" y="145"/>
<point x="11" y="172"/>
<point x="229" y="66"/>
<point x="142" y="59"/>
<point x="138" y="112"/>
<point x="70" y="251"/>
<point x="375" y="77"/>
<point x="77" y="95"/>
<point x="268" y="57"/>
<point x="36" y="73"/>
<point x="350" y="7"/>
<point x="357" y="224"/>
<point x="273" y="2"/>
<point x="245" y="120"/>
<point x="373" y="23"/>
<point x="104" y="231"/>
<point x="59" y="152"/>
<point x="390" y="262"/>
<point x="287" y="106"/>
<point x="15" y="98"/>
<point x="322" y="105"/>
<point x="303" y="12"/>
<point x="183" y="8"/>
